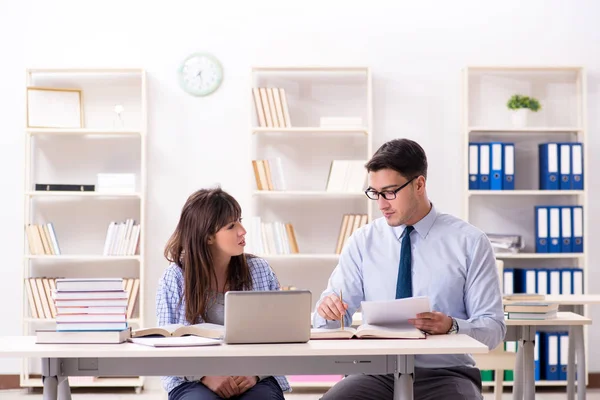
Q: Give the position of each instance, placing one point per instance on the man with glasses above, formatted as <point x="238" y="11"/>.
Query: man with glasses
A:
<point x="415" y="250"/>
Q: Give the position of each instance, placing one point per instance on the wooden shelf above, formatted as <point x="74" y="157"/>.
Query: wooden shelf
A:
<point x="82" y="131"/>
<point x="79" y="257"/>
<point x="305" y="193"/>
<point x="59" y="193"/>
<point x="539" y="255"/>
<point x="511" y="130"/>
<point x="534" y="192"/>
<point x="340" y="131"/>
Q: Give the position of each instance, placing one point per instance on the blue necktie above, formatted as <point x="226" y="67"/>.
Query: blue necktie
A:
<point x="404" y="284"/>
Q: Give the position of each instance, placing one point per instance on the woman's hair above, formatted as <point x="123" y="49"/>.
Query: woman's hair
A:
<point x="205" y="212"/>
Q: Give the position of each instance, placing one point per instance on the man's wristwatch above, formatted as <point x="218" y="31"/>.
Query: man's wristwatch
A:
<point x="454" y="328"/>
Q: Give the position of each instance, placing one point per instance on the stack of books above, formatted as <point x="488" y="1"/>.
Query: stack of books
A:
<point x="89" y="310"/>
<point x="506" y="243"/>
<point x="530" y="310"/>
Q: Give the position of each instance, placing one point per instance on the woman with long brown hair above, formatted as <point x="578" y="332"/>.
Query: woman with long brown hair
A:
<point x="207" y="258"/>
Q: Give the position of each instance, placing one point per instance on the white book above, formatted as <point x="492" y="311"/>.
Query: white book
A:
<point x="135" y="237"/>
<point x="77" y="318"/>
<point x="181" y="341"/>
<point x="93" y="337"/>
<point x="108" y="240"/>
<point x="88" y="284"/>
<point x="337" y="176"/>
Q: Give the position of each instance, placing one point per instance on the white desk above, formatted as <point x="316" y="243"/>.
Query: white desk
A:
<point x="315" y="357"/>
<point x="524" y="331"/>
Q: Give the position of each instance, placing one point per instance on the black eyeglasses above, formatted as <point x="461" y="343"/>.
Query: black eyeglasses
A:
<point x="387" y="194"/>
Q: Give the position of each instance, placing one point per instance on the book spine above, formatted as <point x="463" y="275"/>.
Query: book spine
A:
<point x="63" y="187"/>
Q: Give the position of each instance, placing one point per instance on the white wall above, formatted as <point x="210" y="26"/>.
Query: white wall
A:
<point x="416" y="51"/>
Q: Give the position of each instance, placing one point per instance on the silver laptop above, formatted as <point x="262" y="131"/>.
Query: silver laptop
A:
<point x="267" y="316"/>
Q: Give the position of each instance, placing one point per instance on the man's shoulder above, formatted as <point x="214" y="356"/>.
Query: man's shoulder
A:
<point x="455" y="224"/>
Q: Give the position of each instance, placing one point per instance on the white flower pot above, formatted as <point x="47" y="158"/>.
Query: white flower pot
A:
<point x="519" y="117"/>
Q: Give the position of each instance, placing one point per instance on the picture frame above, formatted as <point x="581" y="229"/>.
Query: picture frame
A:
<point x="54" y="108"/>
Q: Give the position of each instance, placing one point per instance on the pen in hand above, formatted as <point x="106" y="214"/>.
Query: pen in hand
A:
<point x="342" y="301"/>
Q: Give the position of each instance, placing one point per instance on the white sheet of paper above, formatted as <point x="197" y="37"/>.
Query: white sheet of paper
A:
<point x="393" y="312"/>
<point x="183" y="341"/>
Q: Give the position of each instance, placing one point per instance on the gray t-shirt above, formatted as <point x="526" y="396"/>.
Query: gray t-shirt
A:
<point x="215" y="312"/>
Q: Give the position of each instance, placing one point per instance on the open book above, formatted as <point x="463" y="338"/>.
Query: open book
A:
<point x="206" y="330"/>
<point x="367" y="331"/>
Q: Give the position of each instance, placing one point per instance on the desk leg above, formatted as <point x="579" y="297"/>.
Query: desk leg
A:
<point x="64" y="390"/>
<point x="571" y="365"/>
<point x="50" y="388"/>
<point x="403" y="378"/>
<point x="518" y="373"/>
<point x="528" y="363"/>
<point x="580" y="349"/>
<point x="49" y="379"/>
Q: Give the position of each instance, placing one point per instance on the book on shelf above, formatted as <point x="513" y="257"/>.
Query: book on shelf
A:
<point x="350" y="223"/>
<point x="205" y="330"/>
<point x="122" y="238"/>
<point x="271" y="237"/>
<point x="42" y="239"/>
<point x="268" y="174"/>
<point x="271" y="107"/>
<point x="347" y="176"/>
<point x="50" y="187"/>
<point x="51" y="336"/>
<point x="366" y="331"/>
<point x="178" y="341"/>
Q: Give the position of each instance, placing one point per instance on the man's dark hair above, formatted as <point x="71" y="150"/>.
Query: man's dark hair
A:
<point x="404" y="156"/>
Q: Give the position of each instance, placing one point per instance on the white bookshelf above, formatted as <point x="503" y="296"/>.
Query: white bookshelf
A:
<point x="561" y="91"/>
<point x="306" y="150"/>
<point x="74" y="156"/>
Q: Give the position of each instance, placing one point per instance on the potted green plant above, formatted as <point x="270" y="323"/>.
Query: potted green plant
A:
<point x="521" y="106"/>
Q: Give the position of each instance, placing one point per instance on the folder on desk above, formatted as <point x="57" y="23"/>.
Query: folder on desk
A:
<point x="554" y="229"/>
<point x="536" y="357"/>
<point x="509" y="166"/>
<point x="473" y="166"/>
<point x="484" y="166"/>
<point x="563" y="337"/>
<point x="566" y="228"/>
<point x="496" y="173"/>
<point x="577" y="220"/>
<point x="565" y="166"/>
<point x="541" y="229"/>
<point x="548" y="162"/>
<point x="577" y="166"/>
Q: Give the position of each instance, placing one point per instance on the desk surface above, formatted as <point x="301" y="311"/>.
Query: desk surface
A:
<point x="25" y="346"/>
<point x="563" y="299"/>
<point x="562" y="319"/>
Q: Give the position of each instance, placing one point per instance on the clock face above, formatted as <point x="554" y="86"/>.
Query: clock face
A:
<point x="200" y="74"/>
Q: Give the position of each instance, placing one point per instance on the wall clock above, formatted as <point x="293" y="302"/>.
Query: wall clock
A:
<point x="200" y="74"/>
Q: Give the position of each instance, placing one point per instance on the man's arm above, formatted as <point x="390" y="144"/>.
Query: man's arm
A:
<point x="483" y="300"/>
<point x="346" y="276"/>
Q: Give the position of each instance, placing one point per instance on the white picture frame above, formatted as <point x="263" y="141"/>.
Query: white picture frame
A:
<point x="54" y="108"/>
